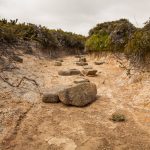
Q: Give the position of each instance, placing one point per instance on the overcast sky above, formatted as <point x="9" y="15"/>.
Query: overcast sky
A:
<point x="75" y="15"/>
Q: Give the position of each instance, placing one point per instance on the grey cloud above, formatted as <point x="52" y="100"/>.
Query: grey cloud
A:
<point x="75" y="15"/>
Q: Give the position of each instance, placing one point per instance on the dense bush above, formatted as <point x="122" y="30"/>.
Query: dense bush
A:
<point x="11" y="31"/>
<point x="110" y="36"/>
<point x="139" y="45"/>
<point x="98" y="42"/>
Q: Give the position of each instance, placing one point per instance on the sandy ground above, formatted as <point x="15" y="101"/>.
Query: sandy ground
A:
<point x="26" y="123"/>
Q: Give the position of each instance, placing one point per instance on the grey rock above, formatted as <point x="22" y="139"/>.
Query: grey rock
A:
<point x="57" y="63"/>
<point x="69" y="72"/>
<point x="78" y="94"/>
<point x="82" y="59"/>
<point x="51" y="95"/>
<point x="87" y="67"/>
<point x="60" y="60"/>
<point x="77" y="56"/>
<point x="81" y="80"/>
<point x="81" y="63"/>
<point x="17" y="59"/>
<point x="89" y="72"/>
<point x="99" y="63"/>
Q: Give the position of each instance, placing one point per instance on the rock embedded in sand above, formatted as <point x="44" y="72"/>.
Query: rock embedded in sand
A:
<point x="79" y="56"/>
<point x="51" y="95"/>
<point x="99" y="63"/>
<point x="82" y="59"/>
<point x="81" y="63"/>
<point x="81" y="80"/>
<point x="78" y="94"/>
<point x="69" y="72"/>
<point x="57" y="63"/>
<point x="87" y="67"/>
<point x="89" y="72"/>
<point x="17" y="59"/>
<point x="60" y="60"/>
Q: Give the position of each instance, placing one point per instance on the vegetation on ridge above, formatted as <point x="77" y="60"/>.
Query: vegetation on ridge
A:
<point x="11" y="32"/>
<point x="110" y="36"/>
<point x="121" y="36"/>
<point x="139" y="44"/>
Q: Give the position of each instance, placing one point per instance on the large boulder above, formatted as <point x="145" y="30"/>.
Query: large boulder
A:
<point x="69" y="72"/>
<point x="78" y="94"/>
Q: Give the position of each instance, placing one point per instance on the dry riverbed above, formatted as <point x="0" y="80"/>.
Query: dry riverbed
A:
<point x="27" y="123"/>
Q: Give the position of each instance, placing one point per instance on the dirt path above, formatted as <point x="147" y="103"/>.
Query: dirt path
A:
<point x="27" y="123"/>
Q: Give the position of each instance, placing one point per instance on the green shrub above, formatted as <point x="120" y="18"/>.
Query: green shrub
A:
<point x="98" y="42"/>
<point x="117" y="117"/>
<point x="111" y="36"/>
<point x="11" y="31"/>
<point x="139" y="45"/>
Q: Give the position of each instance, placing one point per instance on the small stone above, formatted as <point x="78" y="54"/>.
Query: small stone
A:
<point x="29" y="51"/>
<point x="17" y="59"/>
<point x="69" y="72"/>
<point x="77" y="56"/>
<point x="87" y="67"/>
<point x="81" y="80"/>
<point x="51" y="95"/>
<point x="82" y="59"/>
<point x="61" y="60"/>
<point x="81" y="63"/>
<point x="99" y="63"/>
<point x="89" y="72"/>
<point x="57" y="63"/>
<point x="50" y="98"/>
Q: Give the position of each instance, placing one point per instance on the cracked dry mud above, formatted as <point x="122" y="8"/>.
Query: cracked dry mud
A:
<point x="27" y="123"/>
